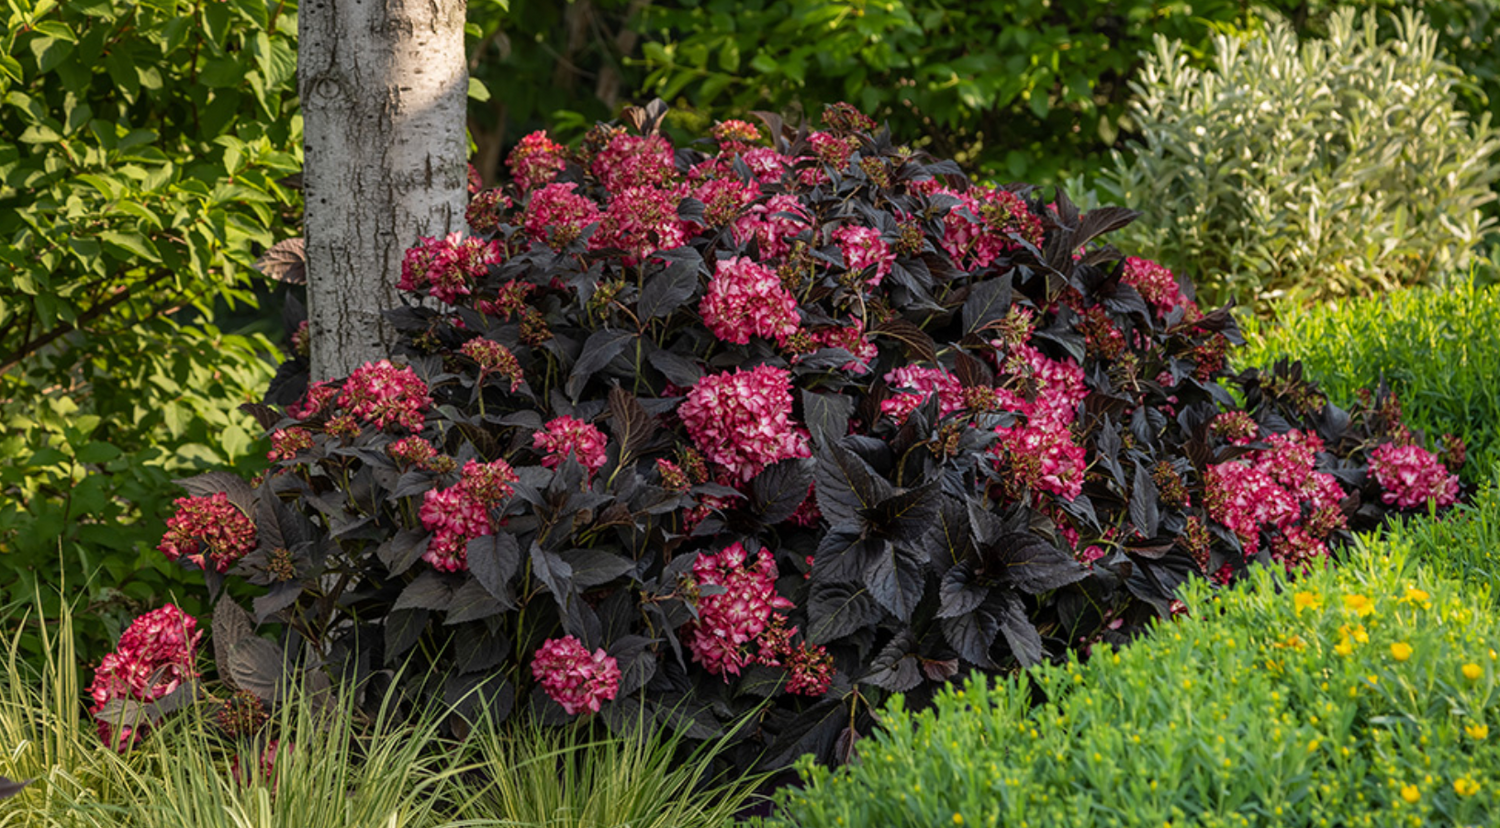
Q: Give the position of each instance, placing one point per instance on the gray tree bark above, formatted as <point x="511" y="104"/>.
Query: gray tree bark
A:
<point x="383" y="86"/>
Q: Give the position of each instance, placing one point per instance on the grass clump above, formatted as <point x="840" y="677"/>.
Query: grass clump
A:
<point x="1438" y="349"/>
<point x="1362" y="696"/>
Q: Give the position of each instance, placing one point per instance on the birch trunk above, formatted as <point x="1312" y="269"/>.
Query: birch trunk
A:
<point x="383" y="86"/>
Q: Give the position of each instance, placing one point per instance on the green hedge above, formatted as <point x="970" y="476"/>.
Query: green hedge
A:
<point x="1358" y="696"/>
<point x="1439" y="349"/>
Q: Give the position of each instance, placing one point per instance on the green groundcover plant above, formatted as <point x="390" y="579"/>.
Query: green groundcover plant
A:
<point x="1357" y="696"/>
<point x="769" y="426"/>
<point x="1437" y="349"/>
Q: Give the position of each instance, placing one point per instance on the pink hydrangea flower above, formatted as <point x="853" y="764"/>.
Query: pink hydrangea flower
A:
<point x="979" y="228"/>
<point x="486" y="211"/>
<point x="767" y="164"/>
<point x="635" y="161"/>
<point x="1157" y="286"/>
<point x="830" y="149"/>
<point x="641" y="221"/>
<point x="1245" y="499"/>
<point x="448" y="267"/>
<point x="287" y="442"/>
<point x="852" y="339"/>
<point x="729" y="623"/>
<point x="1236" y="426"/>
<point x="864" y="249"/>
<point x="208" y="528"/>
<point x="556" y="215"/>
<point x="320" y="397"/>
<point x="461" y="512"/>
<point x="733" y="131"/>
<point x="1059" y="386"/>
<point x="742" y="420"/>
<point x="382" y="394"/>
<point x="724" y="199"/>
<point x="574" y="678"/>
<point x="565" y="434"/>
<point x="493" y="359"/>
<point x="156" y="655"/>
<point x="411" y="451"/>
<point x="1042" y="457"/>
<point x="536" y="160"/>
<point x="772" y="225"/>
<point x="744" y="300"/>
<point x="1411" y="476"/>
<point x="923" y="381"/>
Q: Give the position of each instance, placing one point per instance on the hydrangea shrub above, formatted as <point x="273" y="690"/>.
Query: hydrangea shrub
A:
<point x="782" y="421"/>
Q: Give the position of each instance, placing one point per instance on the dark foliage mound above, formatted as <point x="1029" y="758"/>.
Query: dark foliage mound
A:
<point x="788" y="416"/>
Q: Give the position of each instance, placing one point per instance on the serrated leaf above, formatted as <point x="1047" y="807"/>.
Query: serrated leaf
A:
<point x="988" y="302"/>
<point x="1144" y="512"/>
<point x="257" y="666"/>
<point x="599" y="350"/>
<point x="231" y="625"/>
<point x="894" y="577"/>
<point x="637" y="662"/>
<point x="777" y="492"/>
<point x="285" y="261"/>
<point x="493" y="561"/>
<point x="281" y="596"/>
<point x="666" y="291"/>
<point x="907" y="516"/>
<point x="826" y="415"/>
<point x="836" y="610"/>
<point x="404" y="549"/>
<point x="918" y="343"/>
<point x="632" y="427"/>
<point x="471" y="602"/>
<point x="595" y="567"/>
<point x="1025" y="642"/>
<point x="958" y="594"/>
<point x="1029" y="563"/>
<point x="430" y="590"/>
<point x="840" y="556"/>
<point x="846" y="485"/>
<point x="402" y="629"/>
<point x="554" y="572"/>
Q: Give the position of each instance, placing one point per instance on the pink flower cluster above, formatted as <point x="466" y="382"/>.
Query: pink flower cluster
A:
<point x="635" y="161"/>
<point x="724" y="637"/>
<point x="1040" y="453"/>
<point x="461" y="512"/>
<point x="641" y="221"/>
<point x="724" y="199"/>
<point x="573" y="677"/>
<point x="1278" y="490"/>
<point x="742" y="421"/>
<point x="493" y="359"/>
<point x="772" y="225"/>
<point x="156" y="655"/>
<point x="921" y="382"/>
<point x="863" y="249"/>
<point x="319" y="398"/>
<point x="852" y="339"/>
<point x="208" y="527"/>
<point x="536" y="160"/>
<point x="979" y="228"/>
<point x="565" y="434"/>
<point x="382" y="394"/>
<point x="1157" y="286"/>
<point x="411" y="451"/>
<point x="1411" y="476"/>
<point x="286" y="442"/>
<point x="556" y="215"/>
<point x="745" y="299"/>
<point x="448" y="267"/>
<point x="486" y="211"/>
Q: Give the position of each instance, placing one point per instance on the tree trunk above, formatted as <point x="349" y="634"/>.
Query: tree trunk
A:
<point x="383" y="86"/>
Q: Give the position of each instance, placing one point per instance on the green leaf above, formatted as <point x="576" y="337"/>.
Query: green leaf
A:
<point x="134" y="245"/>
<point x="50" y="52"/>
<point x="477" y="90"/>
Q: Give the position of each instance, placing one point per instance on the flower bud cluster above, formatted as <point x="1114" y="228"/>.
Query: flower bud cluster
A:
<point x="209" y="531"/>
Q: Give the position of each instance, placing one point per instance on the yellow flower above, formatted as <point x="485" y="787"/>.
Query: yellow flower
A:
<point x="1417" y="596"/>
<point x="1295" y="642"/>
<point x="958" y="819"/>
<point x="1359" y="605"/>
<point x="1401" y="651"/>
<point x="1473" y="671"/>
<point x="1343" y="648"/>
<point x="1410" y="794"/>
<point x="1463" y="786"/>
<point x="1477" y="731"/>
<point x="1359" y="634"/>
<point x="1306" y="600"/>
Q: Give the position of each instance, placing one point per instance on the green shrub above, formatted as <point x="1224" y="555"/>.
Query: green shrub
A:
<point x="1439" y="350"/>
<point x="1359" y="696"/>
<point x="1308" y="170"/>
<point x="140" y="147"/>
<point x="1463" y="543"/>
